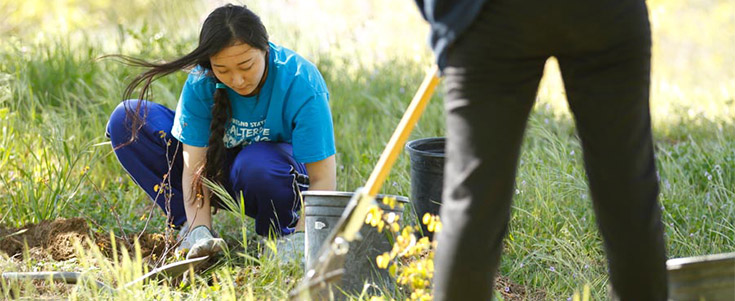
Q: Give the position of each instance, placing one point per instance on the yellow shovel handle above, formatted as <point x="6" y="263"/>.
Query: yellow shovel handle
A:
<point x="403" y="130"/>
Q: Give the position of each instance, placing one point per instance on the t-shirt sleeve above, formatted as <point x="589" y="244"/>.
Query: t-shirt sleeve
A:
<point x="313" y="134"/>
<point x="193" y="116"/>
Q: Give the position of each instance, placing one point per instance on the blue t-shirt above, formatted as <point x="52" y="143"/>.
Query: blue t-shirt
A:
<point x="292" y="106"/>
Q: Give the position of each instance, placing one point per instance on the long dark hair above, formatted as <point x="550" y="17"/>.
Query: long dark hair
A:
<point x="225" y="26"/>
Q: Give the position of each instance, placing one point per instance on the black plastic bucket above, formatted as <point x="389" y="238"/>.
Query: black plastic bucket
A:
<point x="322" y="211"/>
<point x="427" y="176"/>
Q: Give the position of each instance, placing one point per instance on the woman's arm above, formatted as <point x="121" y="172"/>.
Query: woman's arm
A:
<point x="196" y="215"/>
<point x="322" y="174"/>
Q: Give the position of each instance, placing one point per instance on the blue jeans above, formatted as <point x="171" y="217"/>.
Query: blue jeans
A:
<point x="265" y="172"/>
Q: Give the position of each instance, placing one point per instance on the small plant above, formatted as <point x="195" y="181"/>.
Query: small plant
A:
<point x="411" y="260"/>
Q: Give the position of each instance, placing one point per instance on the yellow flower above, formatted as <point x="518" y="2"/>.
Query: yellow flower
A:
<point x="369" y="217"/>
<point x="383" y="260"/>
<point x="392" y="270"/>
<point x="374" y="216"/>
<point x="426" y="218"/>
<point x="394" y="227"/>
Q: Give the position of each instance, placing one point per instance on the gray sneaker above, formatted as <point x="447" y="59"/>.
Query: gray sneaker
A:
<point x="200" y="242"/>
<point x="290" y="248"/>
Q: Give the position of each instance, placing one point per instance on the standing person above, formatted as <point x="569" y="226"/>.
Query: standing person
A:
<point x="252" y="116"/>
<point x="492" y="55"/>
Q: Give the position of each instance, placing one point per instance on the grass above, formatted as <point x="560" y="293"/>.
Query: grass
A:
<point x="55" y="98"/>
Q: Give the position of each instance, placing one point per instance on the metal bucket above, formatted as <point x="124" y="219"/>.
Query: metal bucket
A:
<point x="709" y="277"/>
<point x="706" y="278"/>
<point x="322" y="211"/>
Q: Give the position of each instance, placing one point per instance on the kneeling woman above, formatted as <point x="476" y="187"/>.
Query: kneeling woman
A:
<point x="252" y="116"/>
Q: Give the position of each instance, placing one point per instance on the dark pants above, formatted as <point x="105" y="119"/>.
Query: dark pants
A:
<point x="492" y="77"/>
<point x="265" y="173"/>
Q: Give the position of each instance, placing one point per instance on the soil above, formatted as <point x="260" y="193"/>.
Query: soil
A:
<point x="55" y="240"/>
<point x="512" y="291"/>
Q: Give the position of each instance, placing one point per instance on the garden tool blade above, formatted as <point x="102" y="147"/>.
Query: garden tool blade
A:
<point x="66" y="277"/>
<point x="170" y="270"/>
<point x="330" y="261"/>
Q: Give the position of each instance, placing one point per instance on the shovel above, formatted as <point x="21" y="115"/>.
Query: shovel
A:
<point x="170" y="270"/>
<point x="329" y="264"/>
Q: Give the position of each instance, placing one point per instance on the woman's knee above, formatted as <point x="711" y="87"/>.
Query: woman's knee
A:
<point x="254" y="173"/>
<point x="259" y="164"/>
<point x="154" y="116"/>
<point x="117" y="129"/>
<point x="118" y="126"/>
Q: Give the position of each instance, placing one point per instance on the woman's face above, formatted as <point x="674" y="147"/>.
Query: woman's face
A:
<point x="240" y="67"/>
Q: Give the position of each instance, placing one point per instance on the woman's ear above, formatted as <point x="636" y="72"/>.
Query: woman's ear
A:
<point x="266" y="55"/>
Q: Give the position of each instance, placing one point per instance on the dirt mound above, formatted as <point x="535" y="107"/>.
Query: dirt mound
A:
<point x="55" y="239"/>
<point x="152" y="245"/>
